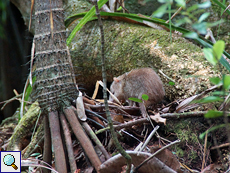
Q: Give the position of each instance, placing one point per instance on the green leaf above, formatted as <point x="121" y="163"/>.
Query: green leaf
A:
<point x="208" y="53"/>
<point x="135" y="99"/>
<point x="27" y="93"/>
<point x="210" y="25"/>
<point x="171" y="83"/>
<point x="192" y="35"/>
<point x="213" y="114"/>
<point x="134" y="17"/>
<point x="215" y="80"/>
<point x="219" y="93"/>
<point x="183" y="21"/>
<point x="209" y="99"/>
<point x="165" y="1"/>
<point x="83" y="21"/>
<point x="206" y="4"/>
<point x="119" y="9"/>
<point x="226" y="84"/>
<point x="181" y="3"/>
<point x="218" y="49"/>
<point x="35" y="154"/>
<point x="203" y="16"/>
<point x="192" y="8"/>
<point x="145" y="97"/>
<point x="29" y="89"/>
<point x="160" y="11"/>
<point x="202" y="135"/>
<point x="200" y="27"/>
<point x="221" y="5"/>
<point x="223" y="61"/>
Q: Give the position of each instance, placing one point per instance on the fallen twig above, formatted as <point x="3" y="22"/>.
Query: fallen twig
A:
<point x="145" y="120"/>
<point x="149" y="137"/>
<point x="95" y="139"/>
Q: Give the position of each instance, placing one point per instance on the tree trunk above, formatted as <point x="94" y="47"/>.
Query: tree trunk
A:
<point x="55" y="86"/>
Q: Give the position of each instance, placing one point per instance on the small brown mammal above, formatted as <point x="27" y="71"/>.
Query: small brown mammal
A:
<point x="136" y="83"/>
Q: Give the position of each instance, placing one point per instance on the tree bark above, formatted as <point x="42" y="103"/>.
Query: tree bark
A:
<point x="55" y="86"/>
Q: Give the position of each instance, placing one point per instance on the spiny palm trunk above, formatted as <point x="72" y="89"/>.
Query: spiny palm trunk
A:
<point x="55" y="87"/>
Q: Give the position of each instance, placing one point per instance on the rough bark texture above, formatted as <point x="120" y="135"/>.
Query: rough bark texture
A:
<point x="54" y="86"/>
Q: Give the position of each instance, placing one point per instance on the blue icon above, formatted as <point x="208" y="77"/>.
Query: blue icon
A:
<point x="9" y="160"/>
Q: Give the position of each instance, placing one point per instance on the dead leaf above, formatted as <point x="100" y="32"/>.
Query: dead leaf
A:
<point x="185" y="103"/>
<point x="114" y="164"/>
<point x="213" y="168"/>
<point x="157" y="118"/>
<point x="167" y="157"/>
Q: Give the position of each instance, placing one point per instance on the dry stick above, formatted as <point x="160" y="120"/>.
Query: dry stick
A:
<point x="220" y="146"/>
<point x="158" y="151"/>
<point x="205" y="147"/>
<point x="161" y="72"/>
<point x="19" y="99"/>
<point x="177" y="12"/>
<point x="184" y="114"/>
<point x="37" y="163"/>
<point x="60" y="161"/>
<point x="110" y="123"/>
<point x="29" y="79"/>
<point x="82" y="137"/>
<point x="145" y="120"/>
<point x="149" y="137"/>
<point x="122" y="109"/>
<point x="72" y="162"/>
<point x="10" y="100"/>
<point x="31" y="12"/>
<point x="115" y="6"/>
<point x="95" y="139"/>
<point x="122" y="5"/>
<point x="47" y="154"/>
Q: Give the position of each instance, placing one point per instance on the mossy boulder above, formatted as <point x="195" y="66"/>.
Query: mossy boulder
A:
<point x="129" y="46"/>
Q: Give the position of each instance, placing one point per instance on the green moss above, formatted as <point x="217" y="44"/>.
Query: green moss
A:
<point x="179" y="152"/>
<point x="190" y="144"/>
<point x="129" y="46"/>
<point x="24" y="127"/>
<point x="75" y="6"/>
<point x="193" y="155"/>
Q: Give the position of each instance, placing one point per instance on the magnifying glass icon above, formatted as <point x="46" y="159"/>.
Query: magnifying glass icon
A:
<point x="9" y="160"/>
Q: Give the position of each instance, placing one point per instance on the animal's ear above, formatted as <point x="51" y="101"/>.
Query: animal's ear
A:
<point x="115" y="79"/>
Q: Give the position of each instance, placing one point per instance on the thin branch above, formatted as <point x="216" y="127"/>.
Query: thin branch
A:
<point x="205" y="148"/>
<point x="145" y="120"/>
<point x="110" y="123"/>
<point x="122" y="5"/>
<point x="177" y="12"/>
<point x="95" y="139"/>
<point x="149" y="137"/>
<point x="10" y="100"/>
